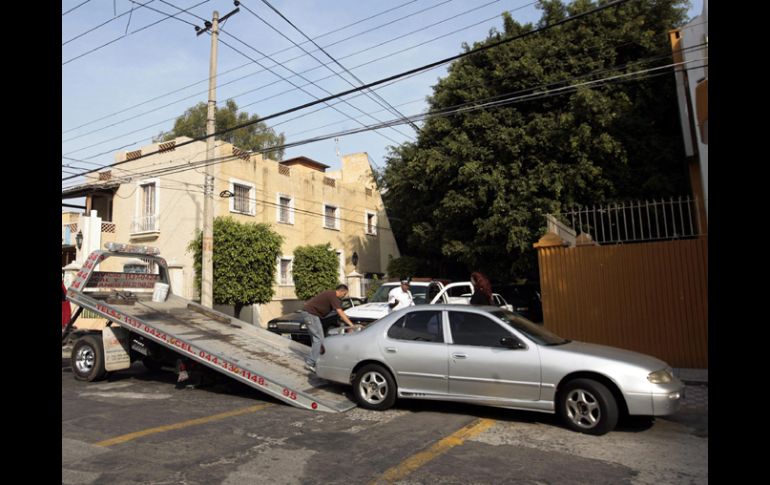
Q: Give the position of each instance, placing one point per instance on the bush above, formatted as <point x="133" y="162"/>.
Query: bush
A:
<point x="315" y="269"/>
<point x="244" y="262"/>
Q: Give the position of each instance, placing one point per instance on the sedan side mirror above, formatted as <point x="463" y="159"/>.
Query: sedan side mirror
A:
<point x="511" y="343"/>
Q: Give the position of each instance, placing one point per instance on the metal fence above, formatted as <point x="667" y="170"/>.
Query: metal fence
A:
<point x="650" y="298"/>
<point x="635" y="221"/>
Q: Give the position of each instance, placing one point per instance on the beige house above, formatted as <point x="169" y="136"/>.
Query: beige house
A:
<point x="158" y="201"/>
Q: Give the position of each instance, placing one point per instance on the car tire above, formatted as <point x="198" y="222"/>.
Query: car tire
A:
<point x="87" y="359"/>
<point x="587" y="406"/>
<point x="374" y="387"/>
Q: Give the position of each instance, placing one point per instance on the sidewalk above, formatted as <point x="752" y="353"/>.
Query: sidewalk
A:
<point x="696" y="394"/>
<point x="693" y="376"/>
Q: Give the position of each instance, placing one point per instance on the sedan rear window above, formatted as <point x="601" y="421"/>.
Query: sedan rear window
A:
<point x="418" y="326"/>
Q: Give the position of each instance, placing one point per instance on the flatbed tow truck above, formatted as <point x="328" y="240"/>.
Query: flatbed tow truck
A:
<point x="144" y="324"/>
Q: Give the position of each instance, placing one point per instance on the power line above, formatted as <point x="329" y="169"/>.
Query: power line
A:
<point x="301" y="87"/>
<point x="382" y="102"/>
<point x="188" y="13"/>
<point x="131" y="33"/>
<point x="100" y="25"/>
<point x="305" y="72"/>
<point x="276" y="74"/>
<point x="74" y="8"/>
<point x="284" y="62"/>
<point x="488" y="103"/>
<point x="168" y="14"/>
<point x="228" y="71"/>
<point x="667" y="55"/>
<point x="405" y="73"/>
<point x="106" y="152"/>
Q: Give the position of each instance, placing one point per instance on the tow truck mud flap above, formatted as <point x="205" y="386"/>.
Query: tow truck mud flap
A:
<point x="115" y="341"/>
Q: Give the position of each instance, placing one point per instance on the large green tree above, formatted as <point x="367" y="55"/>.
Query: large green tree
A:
<point x="314" y="269"/>
<point x="244" y="262"/>
<point x="473" y="190"/>
<point x="257" y="136"/>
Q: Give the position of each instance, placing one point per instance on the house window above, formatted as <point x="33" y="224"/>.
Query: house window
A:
<point x="241" y="198"/>
<point x="242" y="201"/>
<point x="284" y="271"/>
<point x="331" y="217"/>
<point x="370" y="223"/>
<point x="285" y="209"/>
<point x="146" y="219"/>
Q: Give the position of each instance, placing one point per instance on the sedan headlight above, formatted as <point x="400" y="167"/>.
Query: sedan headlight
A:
<point x="272" y="325"/>
<point x="303" y="326"/>
<point x="660" y="377"/>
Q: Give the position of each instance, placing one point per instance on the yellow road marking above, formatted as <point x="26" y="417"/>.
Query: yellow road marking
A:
<point x="184" y="424"/>
<point x="457" y="438"/>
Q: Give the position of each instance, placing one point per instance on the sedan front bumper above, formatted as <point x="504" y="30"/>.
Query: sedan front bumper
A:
<point x="661" y="400"/>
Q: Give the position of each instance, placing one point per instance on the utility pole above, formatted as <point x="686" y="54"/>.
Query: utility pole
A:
<point x="207" y="266"/>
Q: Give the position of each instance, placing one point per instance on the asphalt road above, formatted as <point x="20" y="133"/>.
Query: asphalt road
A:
<point x="136" y="427"/>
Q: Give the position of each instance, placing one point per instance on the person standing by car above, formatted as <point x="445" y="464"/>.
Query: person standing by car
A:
<point x="316" y="308"/>
<point x="482" y="289"/>
<point x="400" y="297"/>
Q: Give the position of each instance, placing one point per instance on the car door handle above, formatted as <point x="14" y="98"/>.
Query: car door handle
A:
<point x="459" y="356"/>
<point x="392" y="350"/>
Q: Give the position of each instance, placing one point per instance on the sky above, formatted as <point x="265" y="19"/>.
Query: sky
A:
<point x="129" y="70"/>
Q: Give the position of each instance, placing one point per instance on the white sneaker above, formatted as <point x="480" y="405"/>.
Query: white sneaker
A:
<point x="310" y="366"/>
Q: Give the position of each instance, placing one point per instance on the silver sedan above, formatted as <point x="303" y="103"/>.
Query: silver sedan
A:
<point x="491" y="356"/>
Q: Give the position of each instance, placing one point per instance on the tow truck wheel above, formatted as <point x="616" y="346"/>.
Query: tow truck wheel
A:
<point x="152" y="364"/>
<point x="374" y="387"/>
<point x="88" y="359"/>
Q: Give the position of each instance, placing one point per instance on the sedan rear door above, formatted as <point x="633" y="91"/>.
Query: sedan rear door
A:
<point x="415" y="349"/>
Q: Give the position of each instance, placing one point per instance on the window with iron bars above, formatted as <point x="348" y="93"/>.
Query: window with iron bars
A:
<point x="241" y="202"/>
<point x="243" y="198"/>
<point x="285" y="209"/>
<point x="331" y="217"/>
<point x="284" y="270"/>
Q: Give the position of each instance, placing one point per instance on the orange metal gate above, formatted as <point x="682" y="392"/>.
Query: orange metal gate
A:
<point x="647" y="297"/>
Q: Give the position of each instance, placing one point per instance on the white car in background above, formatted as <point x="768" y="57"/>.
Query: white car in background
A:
<point x="423" y="292"/>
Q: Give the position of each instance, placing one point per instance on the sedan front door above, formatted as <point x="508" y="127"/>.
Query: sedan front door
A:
<point x="480" y="366"/>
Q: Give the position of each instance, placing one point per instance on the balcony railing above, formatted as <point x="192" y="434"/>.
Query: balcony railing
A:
<point x="145" y="224"/>
<point x="70" y="229"/>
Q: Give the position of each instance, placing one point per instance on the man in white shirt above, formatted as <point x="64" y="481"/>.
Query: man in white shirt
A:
<point x="400" y="297"/>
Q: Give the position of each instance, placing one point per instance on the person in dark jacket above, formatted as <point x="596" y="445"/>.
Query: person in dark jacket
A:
<point x="318" y="307"/>
<point x="482" y="289"/>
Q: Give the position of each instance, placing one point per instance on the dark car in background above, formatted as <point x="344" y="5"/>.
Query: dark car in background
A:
<point x="524" y="300"/>
<point x="294" y="326"/>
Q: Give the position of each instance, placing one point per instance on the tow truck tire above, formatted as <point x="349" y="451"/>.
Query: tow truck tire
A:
<point x="152" y="365"/>
<point x="374" y="387"/>
<point x="87" y="359"/>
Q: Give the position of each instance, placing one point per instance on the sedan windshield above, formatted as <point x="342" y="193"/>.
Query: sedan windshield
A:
<point x="532" y="330"/>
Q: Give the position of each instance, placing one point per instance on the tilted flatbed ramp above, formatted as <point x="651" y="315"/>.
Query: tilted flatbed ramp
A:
<point x="249" y="354"/>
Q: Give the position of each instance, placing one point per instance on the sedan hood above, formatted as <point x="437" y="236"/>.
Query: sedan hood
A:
<point x="368" y="310"/>
<point x="584" y="349"/>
